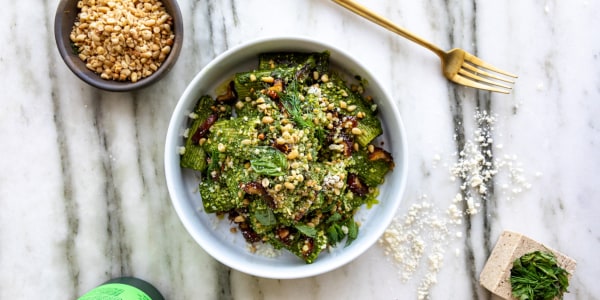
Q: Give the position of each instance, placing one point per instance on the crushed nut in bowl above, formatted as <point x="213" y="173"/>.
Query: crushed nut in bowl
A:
<point x="119" y="45"/>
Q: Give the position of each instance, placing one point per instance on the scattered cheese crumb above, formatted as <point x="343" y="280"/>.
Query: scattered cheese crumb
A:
<point x="420" y="233"/>
<point x="471" y="206"/>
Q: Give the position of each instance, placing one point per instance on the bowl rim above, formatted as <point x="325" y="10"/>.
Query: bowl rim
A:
<point x="77" y="67"/>
<point x="187" y="218"/>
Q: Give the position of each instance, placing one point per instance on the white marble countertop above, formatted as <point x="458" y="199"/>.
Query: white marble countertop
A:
<point x="82" y="188"/>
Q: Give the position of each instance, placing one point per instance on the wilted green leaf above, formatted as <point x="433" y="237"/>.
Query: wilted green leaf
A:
<point x="307" y="230"/>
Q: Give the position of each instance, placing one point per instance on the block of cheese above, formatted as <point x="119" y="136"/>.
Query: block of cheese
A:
<point x="495" y="275"/>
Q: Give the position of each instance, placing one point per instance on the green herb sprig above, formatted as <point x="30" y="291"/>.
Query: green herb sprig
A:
<point x="536" y="276"/>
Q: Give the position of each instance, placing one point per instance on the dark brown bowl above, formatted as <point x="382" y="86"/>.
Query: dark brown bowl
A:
<point x="66" y="13"/>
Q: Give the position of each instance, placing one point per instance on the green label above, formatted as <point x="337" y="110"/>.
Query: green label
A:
<point x="115" y="291"/>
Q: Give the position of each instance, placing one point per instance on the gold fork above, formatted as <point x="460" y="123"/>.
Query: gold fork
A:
<point x="458" y="65"/>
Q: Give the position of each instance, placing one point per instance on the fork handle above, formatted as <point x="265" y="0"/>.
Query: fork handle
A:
<point x="387" y="24"/>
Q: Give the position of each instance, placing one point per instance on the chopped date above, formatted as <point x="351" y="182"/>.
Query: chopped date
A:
<point x="249" y="234"/>
<point x="308" y="246"/>
<point x="256" y="188"/>
<point x="204" y="128"/>
<point x="356" y="186"/>
<point x="285" y="148"/>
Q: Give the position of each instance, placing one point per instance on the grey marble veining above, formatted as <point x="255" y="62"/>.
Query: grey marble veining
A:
<point x="82" y="188"/>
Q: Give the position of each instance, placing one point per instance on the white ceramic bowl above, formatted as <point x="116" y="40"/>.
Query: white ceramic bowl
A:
<point x="213" y="235"/>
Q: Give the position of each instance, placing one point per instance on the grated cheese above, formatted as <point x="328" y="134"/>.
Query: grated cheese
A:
<point x="417" y="240"/>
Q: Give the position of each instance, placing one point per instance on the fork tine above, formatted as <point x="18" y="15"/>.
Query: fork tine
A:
<point x="476" y="70"/>
<point x="472" y="83"/>
<point x="477" y="61"/>
<point x="479" y="78"/>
